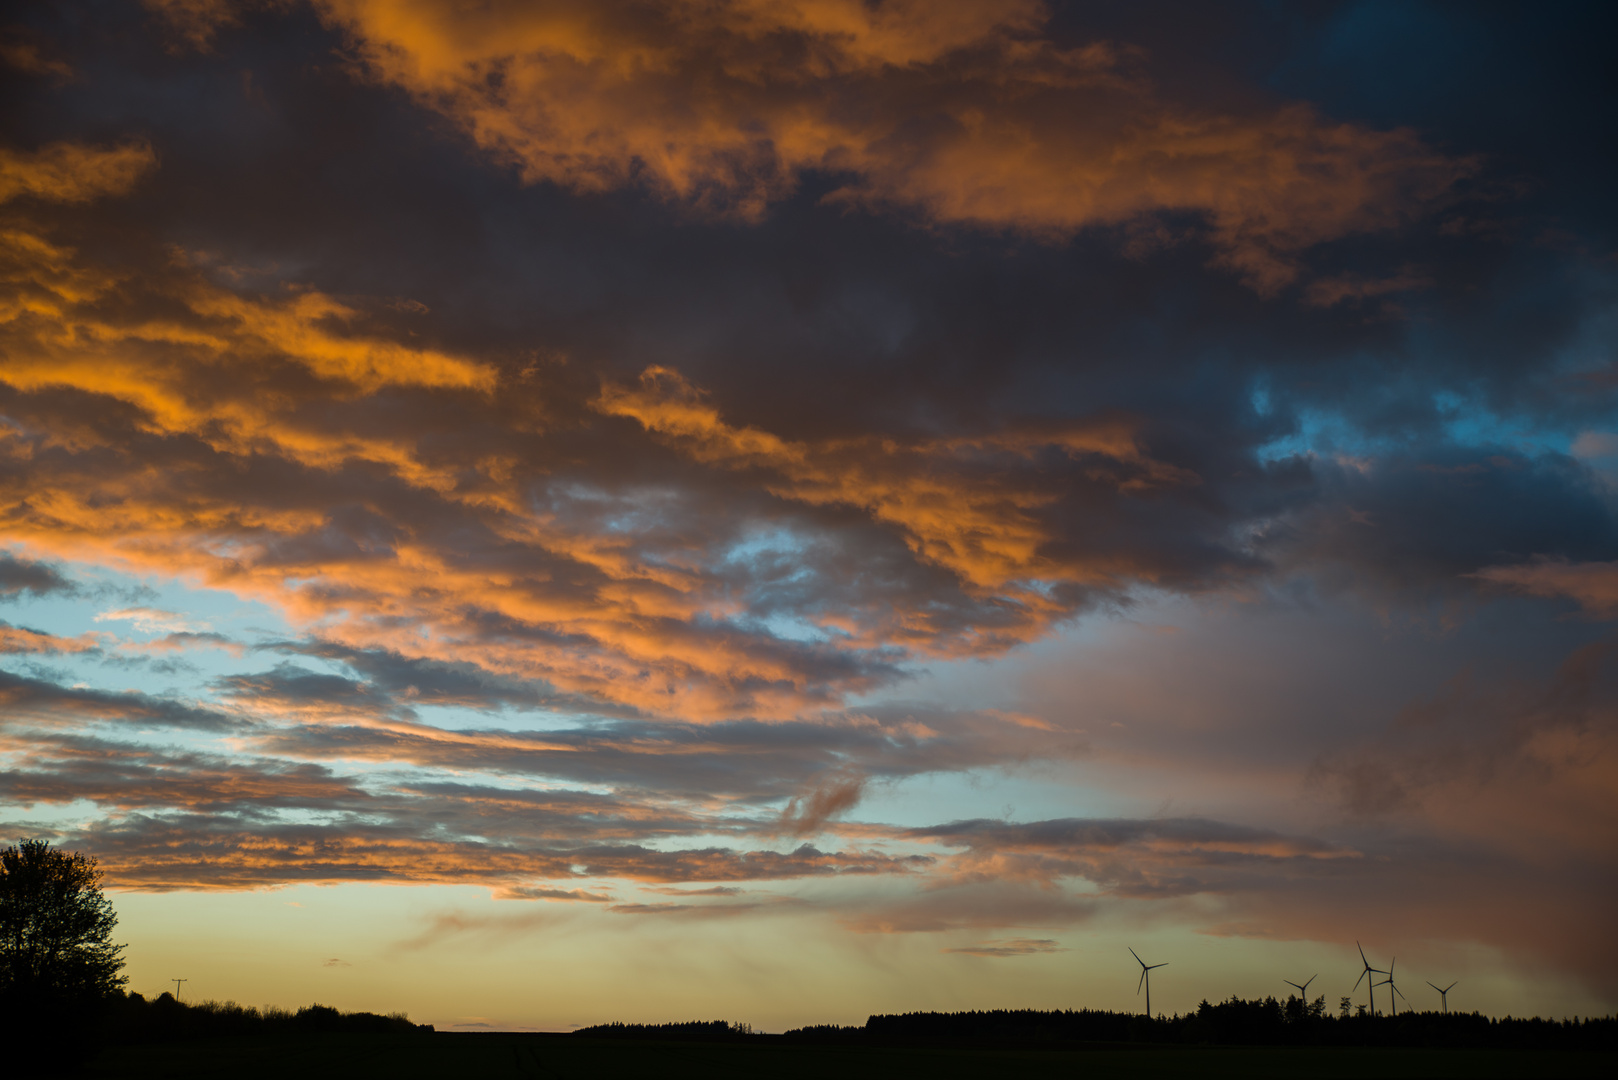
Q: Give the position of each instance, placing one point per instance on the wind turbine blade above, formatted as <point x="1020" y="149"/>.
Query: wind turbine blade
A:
<point x="1136" y="955"/>
<point x="1393" y="964"/>
<point x="1307" y="981"/>
<point x="1451" y="986"/>
<point x="1154" y="967"/>
<point x="1434" y="987"/>
<point x="1396" y="990"/>
<point x="1361" y="979"/>
<point x="1361" y="948"/>
<point x="1142" y="982"/>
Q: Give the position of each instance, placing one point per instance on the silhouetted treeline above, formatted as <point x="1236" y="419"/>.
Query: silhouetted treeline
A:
<point x="705" y="1030"/>
<point x="133" y="1019"/>
<point x="62" y="1034"/>
<point x="1235" y="1022"/>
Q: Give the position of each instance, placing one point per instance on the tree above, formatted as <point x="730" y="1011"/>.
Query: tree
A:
<point x="55" y="928"/>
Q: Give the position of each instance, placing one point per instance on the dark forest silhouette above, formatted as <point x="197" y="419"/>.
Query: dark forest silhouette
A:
<point x="704" y="1030"/>
<point x="1233" y="1022"/>
<point x="134" y="1019"/>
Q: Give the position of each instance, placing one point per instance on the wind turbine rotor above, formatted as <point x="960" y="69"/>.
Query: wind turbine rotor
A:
<point x="1304" y="987"/>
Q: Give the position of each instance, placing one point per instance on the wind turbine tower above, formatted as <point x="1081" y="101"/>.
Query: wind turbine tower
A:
<point x="1443" y="994"/>
<point x="1393" y="1002"/>
<point x="1370" y="990"/>
<point x="1146" y="978"/>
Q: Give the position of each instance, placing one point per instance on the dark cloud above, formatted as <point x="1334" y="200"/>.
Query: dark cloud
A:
<point x="43" y="702"/>
<point x="747" y="760"/>
<point x="808" y="814"/>
<point x="297" y="691"/>
<point x="527" y="893"/>
<point x="125" y="776"/>
<point x="1410" y="524"/>
<point x="1169" y="857"/>
<point x="192" y="851"/>
<point x="18" y="576"/>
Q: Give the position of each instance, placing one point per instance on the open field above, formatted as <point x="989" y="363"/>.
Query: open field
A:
<point x="547" y="1055"/>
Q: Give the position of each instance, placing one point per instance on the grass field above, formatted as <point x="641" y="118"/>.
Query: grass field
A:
<point x="543" y="1056"/>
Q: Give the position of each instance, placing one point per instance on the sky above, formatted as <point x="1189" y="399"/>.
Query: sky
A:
<point x="535" y="514"/>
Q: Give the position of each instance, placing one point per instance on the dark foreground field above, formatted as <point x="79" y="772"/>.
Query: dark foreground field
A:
<point x="537" y="1055"/>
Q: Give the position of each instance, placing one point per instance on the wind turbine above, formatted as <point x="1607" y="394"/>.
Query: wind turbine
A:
<point x="1370" y="990"/>
<point x="1443" y="994"/>
<point x="1146" y="978"/>
<point x="1303" y="991"/>
<point x="1393" y="1002"/>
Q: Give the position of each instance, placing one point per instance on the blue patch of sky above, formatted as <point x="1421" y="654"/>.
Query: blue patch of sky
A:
<point x="1011" y="795"/>
<point x="794" y="628"/>
<point x="1463" y="422"/>
<point x="627" y="513"/>
<point x="501" y="718"/>
<point x="44" y="815"/>
<point x="138" y="611"/>
<point x="764" y="540"/>
<point x="771" y="544"/>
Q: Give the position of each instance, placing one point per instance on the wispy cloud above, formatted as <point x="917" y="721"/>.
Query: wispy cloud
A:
<point x="149" y="620"/>
<point x="1009" y="947"/>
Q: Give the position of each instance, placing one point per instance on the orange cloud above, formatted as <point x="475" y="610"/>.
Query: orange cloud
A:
<point x="959" y="111"/>
<point x="72" y="172"/>
<point x="61" y="329"/>
<point x="218" y="384"/>
<point x="167" y="857"/>
<point x="20" y="639"/>
<point x="951" y="497"/>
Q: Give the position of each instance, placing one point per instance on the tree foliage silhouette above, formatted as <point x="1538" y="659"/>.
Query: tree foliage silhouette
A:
<point x="55" y="927"/>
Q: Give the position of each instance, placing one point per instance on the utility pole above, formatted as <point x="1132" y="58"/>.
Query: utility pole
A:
<point x="177" y="983"/>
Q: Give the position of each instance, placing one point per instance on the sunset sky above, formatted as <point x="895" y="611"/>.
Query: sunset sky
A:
<point x="534" y="514"/>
